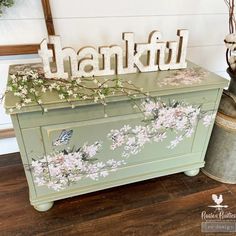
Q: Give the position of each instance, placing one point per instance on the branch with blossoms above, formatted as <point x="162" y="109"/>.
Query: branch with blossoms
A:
<point x="62" y="169"/>
<point x="160" y="118"/>
<point x="30" y="85"/>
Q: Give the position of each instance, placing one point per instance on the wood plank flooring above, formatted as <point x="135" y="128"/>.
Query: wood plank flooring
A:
<point x="165" y="206"/>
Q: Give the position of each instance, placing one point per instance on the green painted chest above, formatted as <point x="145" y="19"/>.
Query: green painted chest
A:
<point x="68" y="152"/>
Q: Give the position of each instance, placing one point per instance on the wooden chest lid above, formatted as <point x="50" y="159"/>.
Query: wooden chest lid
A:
<point x="193" y="78"/>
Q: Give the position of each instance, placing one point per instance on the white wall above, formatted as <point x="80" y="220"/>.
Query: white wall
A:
<point x="21" y="24"/>
<point x="10" y="145"/>
<point x="82" y="23"/>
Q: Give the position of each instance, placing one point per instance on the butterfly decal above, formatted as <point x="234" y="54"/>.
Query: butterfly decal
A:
<point x="64" y="138"/>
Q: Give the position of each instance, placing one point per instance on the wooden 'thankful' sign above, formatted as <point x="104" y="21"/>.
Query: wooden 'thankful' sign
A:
<point x="159" y="56"/>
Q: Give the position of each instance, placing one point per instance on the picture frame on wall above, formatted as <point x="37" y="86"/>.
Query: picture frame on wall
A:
<point x="8" y="50"/>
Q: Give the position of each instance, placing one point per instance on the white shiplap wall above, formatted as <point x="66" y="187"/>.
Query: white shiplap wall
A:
<point x="102" y="22"/>
<point x="82" y="23"/>
<point x="21" y="24"/>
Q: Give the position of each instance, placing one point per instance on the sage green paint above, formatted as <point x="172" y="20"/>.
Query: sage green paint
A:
<point x="35" y="133"/>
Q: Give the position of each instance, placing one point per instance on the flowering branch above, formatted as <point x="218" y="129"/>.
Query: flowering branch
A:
<point x="59" y="170"/>
<point x="30" y="85"/>
<point x="160" y="118"/>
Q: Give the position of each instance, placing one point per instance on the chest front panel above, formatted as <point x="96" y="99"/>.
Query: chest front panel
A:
<point x="69" y="129"/>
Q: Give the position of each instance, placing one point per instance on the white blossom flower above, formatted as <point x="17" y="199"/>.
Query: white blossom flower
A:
<point x="27" y="100"/>
<point x="96" y="99"/>
<point x="18" y="106"/>
<point x="61" y="96"/>
<point x="176" y="141"/>
<point x="207" y="120"/>
<point x="102" y="96"/>
<point x="93" y="176"/>
<point x="34" y="75"/>
<point x="126" y="128"/>
<point x="131" y="141"/>
<point x="70" y="92"/>
<point x="44" y="89"/>
<point x="160" y="137"/>
<point x="32" y="90"/>
<point x="104" y="173"/>
<point x="55" y="186"/>
<point x="24" y="78"/>
<point x="137" y="129"/>
<point x="189" y="132"/>
<point x="39" y="181"/>
<point x="78" y="81"/>
<point x="53" y="85"/>
<point x="13" y="77"/>
<point x="17" y="94"/>
<point x="91" y="150"/>
<point x="24" y="91"/>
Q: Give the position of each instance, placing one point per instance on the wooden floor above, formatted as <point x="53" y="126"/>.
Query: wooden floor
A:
<point x="170" y="205"/>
